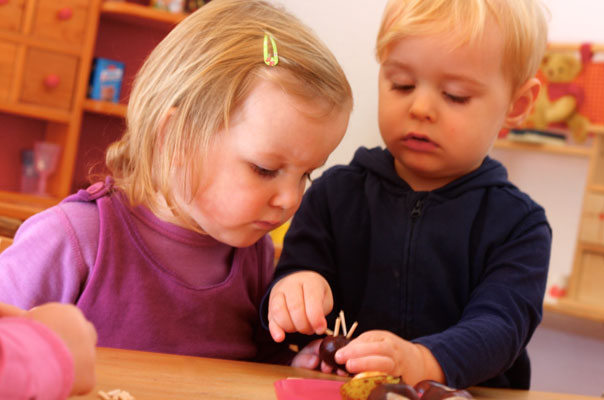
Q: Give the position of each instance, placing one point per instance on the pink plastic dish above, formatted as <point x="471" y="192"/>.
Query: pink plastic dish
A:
<point x="307" y="389"/>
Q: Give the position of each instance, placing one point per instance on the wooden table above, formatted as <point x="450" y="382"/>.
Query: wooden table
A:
<point x="154" y="376"/>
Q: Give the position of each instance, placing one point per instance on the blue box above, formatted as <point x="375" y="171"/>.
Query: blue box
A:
<point x="106" y="80"/>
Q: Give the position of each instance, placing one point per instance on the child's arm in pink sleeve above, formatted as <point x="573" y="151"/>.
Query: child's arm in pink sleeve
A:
<point x="34" y="362"/>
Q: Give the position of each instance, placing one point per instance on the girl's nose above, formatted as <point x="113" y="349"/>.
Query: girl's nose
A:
<point x="288" y="195"/>
<point x="422" y="106"/>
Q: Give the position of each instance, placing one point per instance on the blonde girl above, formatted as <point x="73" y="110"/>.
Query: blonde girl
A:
<point x="227" y="118"/>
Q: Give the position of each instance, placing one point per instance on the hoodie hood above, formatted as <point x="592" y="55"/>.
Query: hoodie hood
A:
<point x="380" y="162"/>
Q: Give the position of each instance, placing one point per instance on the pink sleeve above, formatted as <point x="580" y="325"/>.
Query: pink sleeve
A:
<point x="34" y="362"/>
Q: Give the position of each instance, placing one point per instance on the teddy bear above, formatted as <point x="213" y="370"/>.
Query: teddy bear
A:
<point x="560" y="99"/>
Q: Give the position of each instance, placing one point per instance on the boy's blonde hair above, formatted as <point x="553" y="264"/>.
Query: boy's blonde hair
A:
<point x="202" y="70"/>
<point x="522" y="22"/>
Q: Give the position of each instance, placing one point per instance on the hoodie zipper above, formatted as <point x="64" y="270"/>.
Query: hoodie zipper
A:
<point x="416" y="212"/>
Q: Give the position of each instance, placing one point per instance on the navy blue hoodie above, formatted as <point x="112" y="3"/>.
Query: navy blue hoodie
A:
<point x="461" y="269"/>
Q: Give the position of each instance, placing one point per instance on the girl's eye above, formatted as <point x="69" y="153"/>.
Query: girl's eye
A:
<point x="402" y="88"/>
<point x="457" y="99"/>
<point x="263" y="172"/>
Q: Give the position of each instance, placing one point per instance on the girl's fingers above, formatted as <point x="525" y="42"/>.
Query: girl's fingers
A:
<point x="8" y="310"/>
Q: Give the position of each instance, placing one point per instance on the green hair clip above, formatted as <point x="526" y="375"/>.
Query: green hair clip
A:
<point x="274" y="59"/>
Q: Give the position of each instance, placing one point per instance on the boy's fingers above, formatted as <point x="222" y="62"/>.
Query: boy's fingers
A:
<point x="297" y="310"/>
<point x="278" y="315"/>
<point x="315" y="309"/>
<point x="277" y="333"/>
<point x="8" y="310"/>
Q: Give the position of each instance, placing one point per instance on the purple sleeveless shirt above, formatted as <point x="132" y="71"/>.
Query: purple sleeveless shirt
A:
<point x="137" y="302"/>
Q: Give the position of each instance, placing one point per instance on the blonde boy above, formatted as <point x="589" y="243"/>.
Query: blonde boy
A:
<point x="441" y="260"/>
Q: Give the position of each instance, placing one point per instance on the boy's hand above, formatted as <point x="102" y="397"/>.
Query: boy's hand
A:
<point x="299" y="303"/>
<point x="384" y="351"/>
<point x="79" y="335"/>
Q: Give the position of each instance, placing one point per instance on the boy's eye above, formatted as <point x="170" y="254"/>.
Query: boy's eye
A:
<point x="402" y="88"/>
<point x="263" y="172"/>
<point x="457" y="99"/>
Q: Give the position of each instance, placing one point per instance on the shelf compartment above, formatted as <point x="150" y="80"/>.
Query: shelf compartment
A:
<point x="105" y="108"/>
<point x="577" y="151"/>
<point x="139" y="14"/>
<point x="576" y="309"/>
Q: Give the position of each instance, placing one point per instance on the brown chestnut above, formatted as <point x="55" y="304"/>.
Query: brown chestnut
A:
<point x="328" y="348"/>
<point x="431" y="390"/>
<point x="403" y="390"/>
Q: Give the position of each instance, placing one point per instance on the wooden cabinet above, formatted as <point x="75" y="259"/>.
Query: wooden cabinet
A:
<point x="586" y="285"/>
<point x="46" y="53"/>
<point x="11" y="15"/>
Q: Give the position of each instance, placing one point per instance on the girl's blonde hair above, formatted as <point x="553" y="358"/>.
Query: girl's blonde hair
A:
<point x="522" y="22"/>
<point x="198" y="75"/>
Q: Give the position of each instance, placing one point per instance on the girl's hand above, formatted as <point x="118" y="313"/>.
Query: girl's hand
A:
<point x="7" y="310"/>
<point x="384" y="351"/>
<point x="299" y="303"/>
<point x="308" y="357"/>
<point x="68" y="322"/>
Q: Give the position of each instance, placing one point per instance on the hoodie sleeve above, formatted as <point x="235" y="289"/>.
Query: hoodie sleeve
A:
<point x="504" y="310"/>
<point x="34" y="362"/>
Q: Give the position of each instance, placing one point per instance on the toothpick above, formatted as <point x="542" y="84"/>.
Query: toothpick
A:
<point x="343" y="322"/>
<point x="352" y="328"/>
<point x="328" y="332"/>
<point x="336" y="329"/>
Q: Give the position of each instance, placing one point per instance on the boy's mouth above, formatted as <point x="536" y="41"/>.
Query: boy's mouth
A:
<point x="418" y="142"/>
<point x="415" y="136"/>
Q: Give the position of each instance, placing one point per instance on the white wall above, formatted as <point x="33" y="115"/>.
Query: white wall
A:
<point x="349" y="28"/>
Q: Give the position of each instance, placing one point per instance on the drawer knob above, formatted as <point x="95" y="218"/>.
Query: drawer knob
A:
<point x="64" y="13"/>
<point x="52" y="81"/>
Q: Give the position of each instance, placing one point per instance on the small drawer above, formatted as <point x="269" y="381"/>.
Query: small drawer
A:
<point x="11" y="14"/>
<point x="8" y="52"/>
<point x="49" y="79"/>
<point x="62" y="20"/>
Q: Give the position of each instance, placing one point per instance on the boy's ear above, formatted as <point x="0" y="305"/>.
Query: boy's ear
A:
<point x="522" y="103"/>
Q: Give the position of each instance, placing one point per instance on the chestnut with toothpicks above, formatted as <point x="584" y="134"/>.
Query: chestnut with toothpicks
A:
<point x="333" y="342"/>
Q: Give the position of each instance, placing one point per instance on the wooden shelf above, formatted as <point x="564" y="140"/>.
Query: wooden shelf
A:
<point x="576" y="309"/>
<point x="138" y="14"/>
<point x="105" y="108"/>
<point x="23" y="206"/>
<point x="577" y="151"/>
<point x="35" y="111"/>
<point x="591" y="247"/>
<point x="596" y="188"/>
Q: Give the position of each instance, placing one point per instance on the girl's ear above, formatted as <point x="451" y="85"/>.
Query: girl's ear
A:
<point x="162" y="129"/>
<point x="522" y="103"/>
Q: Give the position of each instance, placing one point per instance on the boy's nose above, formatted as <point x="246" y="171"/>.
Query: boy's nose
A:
<point x="422" y="107"/>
